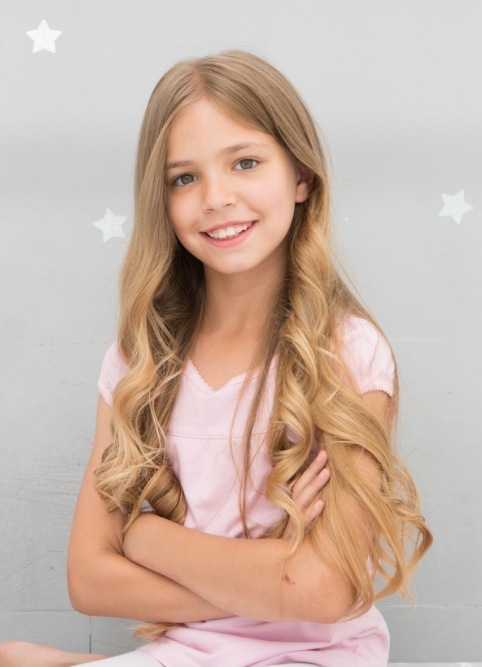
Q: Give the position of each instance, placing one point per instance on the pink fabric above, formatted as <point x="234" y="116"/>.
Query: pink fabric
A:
<point x="208" y="463"/>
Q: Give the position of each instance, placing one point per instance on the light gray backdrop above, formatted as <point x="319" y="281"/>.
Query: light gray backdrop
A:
<point x="396" y="88"/>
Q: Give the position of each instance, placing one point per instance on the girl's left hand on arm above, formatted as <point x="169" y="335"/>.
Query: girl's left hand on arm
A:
<point x="306" y="491"/>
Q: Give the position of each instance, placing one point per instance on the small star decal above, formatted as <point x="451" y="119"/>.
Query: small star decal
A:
<point x="43" y="37"/>
<point x="455" y="206"/>
<point x="111" y="225"/>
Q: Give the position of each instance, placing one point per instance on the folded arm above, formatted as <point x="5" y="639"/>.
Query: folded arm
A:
<point x="245" y="577"/>
<point x="252" y="577"/>
<point x="101" y="580"/>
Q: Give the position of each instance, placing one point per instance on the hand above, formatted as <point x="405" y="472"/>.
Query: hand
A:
<point x="306" y="490"/>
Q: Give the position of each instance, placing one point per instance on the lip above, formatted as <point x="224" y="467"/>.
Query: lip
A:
<point x="234" y="240"/>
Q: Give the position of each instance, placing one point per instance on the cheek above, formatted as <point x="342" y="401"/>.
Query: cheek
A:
<point x="281" y="200"/>
<point x="268" y="194"/>
<point x="280" y="190"/>
<point x="176" y="215"/>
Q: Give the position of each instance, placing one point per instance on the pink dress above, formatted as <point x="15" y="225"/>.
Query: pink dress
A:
<point x="209" y="468"/>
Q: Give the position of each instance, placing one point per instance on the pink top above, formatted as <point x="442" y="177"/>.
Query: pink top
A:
<point x="209" y="468"/>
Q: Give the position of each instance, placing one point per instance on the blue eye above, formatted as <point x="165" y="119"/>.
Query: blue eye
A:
<point x="184" y="179"/>
<point x="246" y="163"/>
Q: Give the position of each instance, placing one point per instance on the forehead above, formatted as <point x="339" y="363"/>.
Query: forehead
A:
<point x="203" y="125"/>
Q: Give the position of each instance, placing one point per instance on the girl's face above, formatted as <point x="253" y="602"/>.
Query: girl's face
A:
<point x="231" y="191"/>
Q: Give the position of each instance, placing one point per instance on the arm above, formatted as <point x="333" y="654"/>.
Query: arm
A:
<point x="249" y="577"/>
<point x="101" y="580"/>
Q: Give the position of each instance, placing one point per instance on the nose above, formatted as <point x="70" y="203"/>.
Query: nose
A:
<point x="217" y="192"/>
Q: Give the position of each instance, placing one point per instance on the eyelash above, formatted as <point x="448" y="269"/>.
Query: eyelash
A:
<point x="247" y="159"/>
<point x="181" y="185"/>
<point x="176" y="182"/>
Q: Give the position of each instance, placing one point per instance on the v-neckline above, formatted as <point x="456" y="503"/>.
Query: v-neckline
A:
<point x="196" y="376"/>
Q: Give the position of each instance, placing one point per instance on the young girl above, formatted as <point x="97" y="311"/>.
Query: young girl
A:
<point x="243" y="364"/>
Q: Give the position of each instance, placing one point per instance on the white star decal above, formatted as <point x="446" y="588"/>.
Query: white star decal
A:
<point x="111" y="225"/>
<point x="43" y="37"/>
<point x="455" y="206"/>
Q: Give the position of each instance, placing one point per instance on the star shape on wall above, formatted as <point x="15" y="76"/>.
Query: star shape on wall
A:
<point x="111" y="225"/>
<point x="455" y="206"/>
<point x="43" y="37"/>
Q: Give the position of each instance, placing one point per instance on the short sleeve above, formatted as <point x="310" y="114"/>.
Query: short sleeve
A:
<point x="112" y="371"/>
<point x="368" y="356"/>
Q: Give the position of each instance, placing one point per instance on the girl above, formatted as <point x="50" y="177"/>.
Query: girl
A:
<point x="243" y="364"/>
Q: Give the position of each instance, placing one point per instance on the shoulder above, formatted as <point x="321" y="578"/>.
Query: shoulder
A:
<point x="112" y="371"/>
<point x="367" y="355"/>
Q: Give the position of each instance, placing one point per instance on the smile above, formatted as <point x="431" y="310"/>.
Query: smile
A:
<point x="228" y="232"/>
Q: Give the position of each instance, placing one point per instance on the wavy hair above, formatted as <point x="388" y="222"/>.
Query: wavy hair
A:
<point x="162" y="296"/>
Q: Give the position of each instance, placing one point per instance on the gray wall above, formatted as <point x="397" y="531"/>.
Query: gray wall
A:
<point x="396" y="87"/>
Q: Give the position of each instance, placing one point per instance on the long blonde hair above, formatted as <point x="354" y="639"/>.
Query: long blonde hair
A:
<point x="162" y="293"/>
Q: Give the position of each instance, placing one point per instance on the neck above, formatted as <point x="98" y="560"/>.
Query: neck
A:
<point x="240" y="303"/>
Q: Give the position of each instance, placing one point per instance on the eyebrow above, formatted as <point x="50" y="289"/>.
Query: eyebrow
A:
<point x="225" y="151"/>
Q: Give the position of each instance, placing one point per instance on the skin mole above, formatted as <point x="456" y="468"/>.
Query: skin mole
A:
<point x="287" y="580"/>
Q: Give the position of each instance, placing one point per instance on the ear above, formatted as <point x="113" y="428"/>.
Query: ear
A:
<point x="303" y="185"/>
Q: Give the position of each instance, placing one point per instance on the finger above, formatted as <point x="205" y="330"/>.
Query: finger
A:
<point x="307" y="496"/>
<point x="315" y="510"/>
<point x="312" y="513"/>
<point x="308" y="517"/>
<point x="315" y="467"/>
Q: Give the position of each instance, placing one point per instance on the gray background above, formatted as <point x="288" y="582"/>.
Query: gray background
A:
<point x="396" y="88"/>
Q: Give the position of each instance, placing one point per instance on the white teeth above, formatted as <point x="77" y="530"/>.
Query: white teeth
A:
<point x="228" y="232"/>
